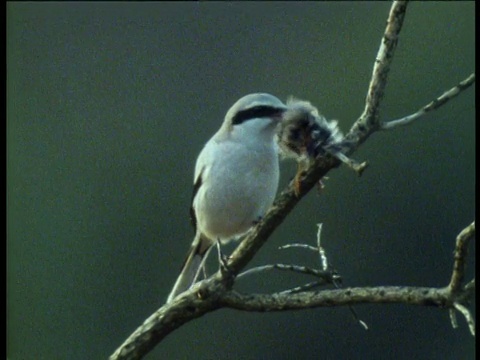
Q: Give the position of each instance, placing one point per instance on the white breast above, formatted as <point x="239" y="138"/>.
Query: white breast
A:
<point x="239" y="183"/>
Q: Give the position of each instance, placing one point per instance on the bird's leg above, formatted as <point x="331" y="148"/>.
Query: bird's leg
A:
<point x="222" y="258"/>
<point x="204" y="271"/>
<point x="257" y="220"/>
<point x="297" y="180"/>
<point x="201" y="267"/>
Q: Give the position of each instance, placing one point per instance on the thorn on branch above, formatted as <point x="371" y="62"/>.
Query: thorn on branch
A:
<point x="352" y="164"/>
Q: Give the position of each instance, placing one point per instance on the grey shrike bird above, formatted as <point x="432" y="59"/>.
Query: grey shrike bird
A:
<point x="236" y="179"/>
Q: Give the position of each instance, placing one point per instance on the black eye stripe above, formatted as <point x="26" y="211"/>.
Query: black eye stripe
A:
<point x="255" y="112"/>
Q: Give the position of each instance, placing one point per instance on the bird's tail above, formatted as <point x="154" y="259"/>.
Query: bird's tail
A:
<point x="191" y="266"/>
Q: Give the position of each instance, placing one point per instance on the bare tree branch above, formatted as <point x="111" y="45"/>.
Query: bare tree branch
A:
<point x="215" y="292"/>
<point x="450" y="296"/>
<point x="339" y="297"/>
<point x="202" y="298"/>
<point x="369" y="120"/>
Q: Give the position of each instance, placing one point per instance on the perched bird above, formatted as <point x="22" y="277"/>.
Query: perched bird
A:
<point x="236" y="179"/>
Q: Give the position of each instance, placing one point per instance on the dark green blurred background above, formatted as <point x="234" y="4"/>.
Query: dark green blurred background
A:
<point x="108" y="105"/>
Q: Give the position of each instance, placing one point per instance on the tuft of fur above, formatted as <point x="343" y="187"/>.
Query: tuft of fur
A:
<point x="304" y="133"/>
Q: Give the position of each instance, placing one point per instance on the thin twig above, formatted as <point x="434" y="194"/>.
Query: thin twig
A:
<point x="453" y="318"/>
<point x="325" y="275"/>
<point x="468" y="317"/>
<point x="352" y="164"/>
<point x="337" y="284"/>
<point x="470" y="285"/>
<point x="435" y="104"/>
<point x="298" y="245"/>
<point x="321" y="251"/>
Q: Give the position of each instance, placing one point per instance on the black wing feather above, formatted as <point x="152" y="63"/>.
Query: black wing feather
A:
<point x="196" y="186"/>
